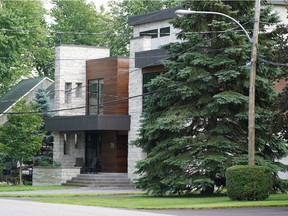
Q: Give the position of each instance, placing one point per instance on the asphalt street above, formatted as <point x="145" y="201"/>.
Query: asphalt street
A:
<point x="24" y="207"/>
<point x="12" y="207"/>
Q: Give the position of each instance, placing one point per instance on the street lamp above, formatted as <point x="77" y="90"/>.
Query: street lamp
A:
<point x="254" y="41"/>
<point x="186" y="12"/>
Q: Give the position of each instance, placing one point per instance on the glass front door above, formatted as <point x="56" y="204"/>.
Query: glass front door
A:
<point x="93" y="148"/>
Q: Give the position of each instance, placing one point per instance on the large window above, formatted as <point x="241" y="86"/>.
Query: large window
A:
<point x="95" y="97"/>
<point x="153" y="33"/>
<point x="164" y="32"/>
<point x="147" y="77"/>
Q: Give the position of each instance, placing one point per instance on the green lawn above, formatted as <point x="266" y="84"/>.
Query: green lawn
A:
<point x="138" y="200"/>
<point x="4" y="188"/>
<point x="151" y="202"/>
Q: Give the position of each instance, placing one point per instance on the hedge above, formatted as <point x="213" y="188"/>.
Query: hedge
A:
<point x="249" y="182"/>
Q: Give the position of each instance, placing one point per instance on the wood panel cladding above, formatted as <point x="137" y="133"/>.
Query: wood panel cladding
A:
<point x="114" y="72"/>
<point x="114" y="151"/>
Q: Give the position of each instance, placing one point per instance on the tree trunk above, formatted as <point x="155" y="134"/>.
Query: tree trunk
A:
<point x="20" y="172"/>
<point x="208" y="190"/>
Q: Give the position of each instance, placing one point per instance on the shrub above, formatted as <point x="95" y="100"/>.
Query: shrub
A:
<point x="249" y="182"/>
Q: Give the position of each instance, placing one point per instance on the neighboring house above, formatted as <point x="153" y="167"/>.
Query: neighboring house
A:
<point x="150" y="32"/>
<point x="91" y="121"/>
<point x="25" y="89"/>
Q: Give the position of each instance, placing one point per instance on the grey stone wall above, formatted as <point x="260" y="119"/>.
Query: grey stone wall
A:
<point x="53" y="175"/>
<point x="74" y="149"/>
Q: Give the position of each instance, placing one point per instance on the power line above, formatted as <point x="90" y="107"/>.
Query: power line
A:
<point x="126" y="99"/>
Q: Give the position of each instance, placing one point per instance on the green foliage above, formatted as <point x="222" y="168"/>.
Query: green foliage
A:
<point x="21" y="137"/>
<point x="78" y="22"/>
<point x="195" y="131"/>
<point x="249" y="182"/>
<point x="280" y="120"/>
<point x="23" y="28"/>
<point x="45" y="154"/>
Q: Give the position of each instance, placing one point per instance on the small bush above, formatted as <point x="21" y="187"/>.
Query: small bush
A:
<point x="249" y="182"/>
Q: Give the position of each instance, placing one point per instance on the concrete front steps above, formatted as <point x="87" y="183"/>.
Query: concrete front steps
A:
<point x="101" y="180"/>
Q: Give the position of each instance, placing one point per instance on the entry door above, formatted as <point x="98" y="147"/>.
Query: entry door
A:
<point x="93" y="147"/>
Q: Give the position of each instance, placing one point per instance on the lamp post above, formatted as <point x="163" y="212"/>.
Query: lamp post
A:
<point x="254" y="41"/>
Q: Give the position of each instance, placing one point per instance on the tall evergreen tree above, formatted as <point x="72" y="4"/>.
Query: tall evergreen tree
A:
<point x="45" y="154"/>
<point x="195" y="126"/>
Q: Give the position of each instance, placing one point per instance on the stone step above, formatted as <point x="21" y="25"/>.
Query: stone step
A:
<point x="101" y="180"/>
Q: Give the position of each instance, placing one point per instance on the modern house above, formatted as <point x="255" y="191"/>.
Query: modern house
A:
<point x="91" y="122"/>
<point x="25" y="89"/>
<point x="94" y="119"/>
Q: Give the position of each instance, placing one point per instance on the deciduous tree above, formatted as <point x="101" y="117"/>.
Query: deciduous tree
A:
<point x="21" y="137"/>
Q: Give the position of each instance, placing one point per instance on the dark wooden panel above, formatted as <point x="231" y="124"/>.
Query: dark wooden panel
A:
<point x="122" y="153"/>
<point x="114" y="72"/>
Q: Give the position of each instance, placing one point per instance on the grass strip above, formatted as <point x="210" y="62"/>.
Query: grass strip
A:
<point x="12" y="188"/>
<point x="67" y="195"/>
<point x="152" y="202"/>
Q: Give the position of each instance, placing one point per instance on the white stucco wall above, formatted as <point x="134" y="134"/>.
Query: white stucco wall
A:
<point x="159" y="41"/>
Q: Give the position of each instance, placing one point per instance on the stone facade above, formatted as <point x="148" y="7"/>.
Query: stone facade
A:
<point x="138" y="44"/>
<point x="70" y="68"/>
<point x="74" y="147"/>
<point x="53" y="175"/>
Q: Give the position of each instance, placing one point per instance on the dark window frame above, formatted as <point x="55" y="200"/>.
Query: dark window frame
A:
<point x="153" y="33"/>
<point x="96" y="93"/>
<point x="164" y="32"/>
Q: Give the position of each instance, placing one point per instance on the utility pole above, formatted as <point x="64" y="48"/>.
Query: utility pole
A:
<point x="251" y="122"/>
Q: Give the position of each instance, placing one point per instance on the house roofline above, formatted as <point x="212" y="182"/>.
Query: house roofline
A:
<point x="10" y="107"/>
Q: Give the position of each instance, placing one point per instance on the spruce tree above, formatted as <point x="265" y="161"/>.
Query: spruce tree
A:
<point x="195" y="126"/>
<point x="45" y="154"/>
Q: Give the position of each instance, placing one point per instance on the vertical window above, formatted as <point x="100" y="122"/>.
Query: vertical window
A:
<point x="153" y="33"/>
<point x="65" y="144"/>
<point x="95" y="97"/>
<point x="78" y="91"/>
<point x="164" y="32"/>
<point x="76" y="141"/>
<point x="68" y="89"/>
<point x="147" y="77"/>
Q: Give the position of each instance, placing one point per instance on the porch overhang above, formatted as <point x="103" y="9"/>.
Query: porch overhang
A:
<point x="88" y="122"/>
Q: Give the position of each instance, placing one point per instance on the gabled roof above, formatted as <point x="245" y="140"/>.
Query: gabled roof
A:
<point x="18" y="91"/>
